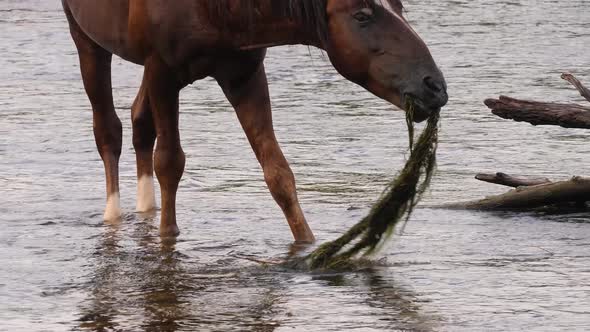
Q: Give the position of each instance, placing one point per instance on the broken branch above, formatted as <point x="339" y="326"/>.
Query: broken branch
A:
<point x="510" y="181"/>
<point x="584" y="92"/>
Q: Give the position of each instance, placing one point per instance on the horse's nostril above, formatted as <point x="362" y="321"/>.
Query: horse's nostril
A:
<point x="433" y="84"/>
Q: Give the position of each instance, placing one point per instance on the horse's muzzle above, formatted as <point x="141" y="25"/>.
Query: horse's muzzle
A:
<point x="423" y="111"/>
<point x="432" y="98"/>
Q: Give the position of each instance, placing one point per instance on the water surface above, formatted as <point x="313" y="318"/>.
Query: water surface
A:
<point x="64" y="269"/>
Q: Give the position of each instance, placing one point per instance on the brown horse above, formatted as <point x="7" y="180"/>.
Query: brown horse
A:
<point x="178" y="42"/>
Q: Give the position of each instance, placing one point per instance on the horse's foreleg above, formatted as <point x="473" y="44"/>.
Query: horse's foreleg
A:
<point x="144" y="137"/>
<point x="163" y="92"/>
<point x="250" y="98"/>
<point x="95" y="64"/>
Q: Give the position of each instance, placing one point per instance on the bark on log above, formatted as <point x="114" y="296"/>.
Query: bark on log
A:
<point x="511" y="181"/>
<point x="576" y="190"/>
<point x="539" y="113"/>
<point x="575" y="82"/>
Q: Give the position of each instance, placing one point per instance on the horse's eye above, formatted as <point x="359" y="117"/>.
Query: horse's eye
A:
<point x="365" y="15"/>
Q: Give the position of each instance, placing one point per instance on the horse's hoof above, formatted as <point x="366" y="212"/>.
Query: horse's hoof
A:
<point x="113" y="210"/>
<point x="149" y="208"/>
<point x="112" y="214"/>
<point x="305" y="240"/>
<point x="169" y="231"/>
<point x="152" y="214"/>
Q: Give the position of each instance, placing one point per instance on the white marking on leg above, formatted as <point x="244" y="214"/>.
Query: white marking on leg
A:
<point x="113" y="209"/>
<point x="146" y="196"/>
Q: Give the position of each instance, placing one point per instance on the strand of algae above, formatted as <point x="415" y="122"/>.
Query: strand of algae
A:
<point x="395" y="205"/>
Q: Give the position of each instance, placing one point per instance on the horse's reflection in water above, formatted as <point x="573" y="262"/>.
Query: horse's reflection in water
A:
<point x="164" y="283"/>
<point x="151" y="278"/>
<point x="141" y="282"/>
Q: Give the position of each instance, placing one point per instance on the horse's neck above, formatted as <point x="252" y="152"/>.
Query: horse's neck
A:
<point x="275" y="35"/>
<point x="265" y="28"/>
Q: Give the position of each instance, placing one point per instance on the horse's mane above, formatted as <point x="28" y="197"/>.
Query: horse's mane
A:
<point x="308" y="13"/>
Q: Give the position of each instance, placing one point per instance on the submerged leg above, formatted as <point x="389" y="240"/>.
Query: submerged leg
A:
<point x="95" y="64"/>
<point x="250" y="98"/>
<point x="144" y="137"/>
<point x="169" y="159"/>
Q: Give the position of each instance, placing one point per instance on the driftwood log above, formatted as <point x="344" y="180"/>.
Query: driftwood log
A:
<point x="543" y="113"/>
<point x="576" y="191"/>
<point x="538" y="193"/>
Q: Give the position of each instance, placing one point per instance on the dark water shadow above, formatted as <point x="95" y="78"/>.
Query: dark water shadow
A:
<point x="565" y="214"/>
<point x="400" y="306"/>
<point x="402" y="302"/>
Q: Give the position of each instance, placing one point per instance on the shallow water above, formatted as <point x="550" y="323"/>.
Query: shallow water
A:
<point x="64" y="269"/>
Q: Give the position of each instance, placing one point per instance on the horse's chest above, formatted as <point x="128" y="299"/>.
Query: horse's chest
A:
<point x="220" y="64"/>
<point x="196" y="69"/>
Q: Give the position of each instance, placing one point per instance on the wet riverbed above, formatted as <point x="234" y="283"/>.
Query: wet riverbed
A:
<point x="63" y="268"/>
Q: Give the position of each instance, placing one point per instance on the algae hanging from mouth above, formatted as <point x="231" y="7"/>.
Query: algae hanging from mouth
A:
<point x="395" y="205"/>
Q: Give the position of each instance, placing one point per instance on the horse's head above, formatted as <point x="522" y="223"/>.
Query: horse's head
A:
<point x="372" y="44"/>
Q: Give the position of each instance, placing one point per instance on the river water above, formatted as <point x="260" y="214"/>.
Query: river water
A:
<point x="63" y="269"/>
